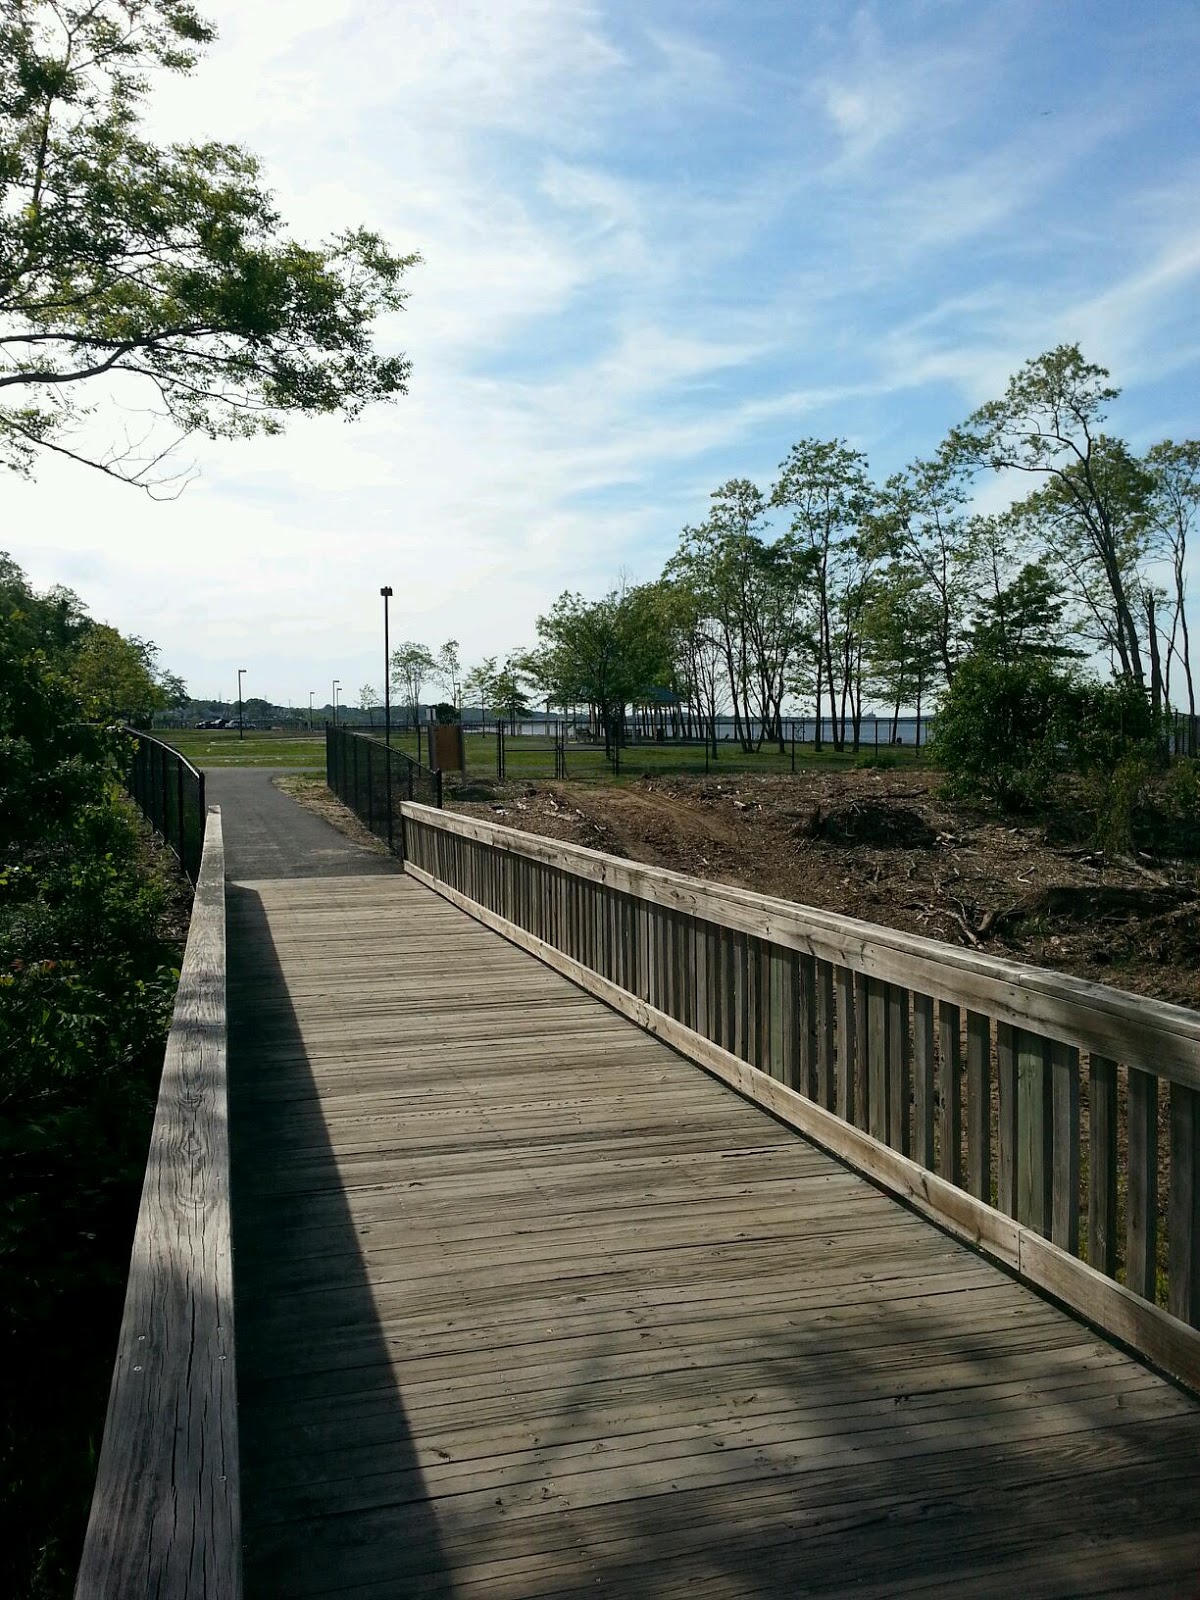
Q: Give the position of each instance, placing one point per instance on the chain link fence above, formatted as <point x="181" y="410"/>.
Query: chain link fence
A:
<point x="373" y="779"/>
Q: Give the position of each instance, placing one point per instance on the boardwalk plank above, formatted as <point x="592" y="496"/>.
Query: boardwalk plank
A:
<point x="529" y="1305"/>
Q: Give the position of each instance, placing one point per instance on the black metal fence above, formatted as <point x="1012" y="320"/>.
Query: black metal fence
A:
<point x="374" y="779"/>
<point x="1185" y="735"/>
<point x="169" y="792"/>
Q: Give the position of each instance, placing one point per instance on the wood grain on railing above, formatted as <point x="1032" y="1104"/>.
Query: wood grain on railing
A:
<point x="954" y="1077"/>
<point x="165" y="1512"/>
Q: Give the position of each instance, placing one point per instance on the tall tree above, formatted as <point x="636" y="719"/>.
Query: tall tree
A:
<point x="163" y="267"/>
<point x="826" y="487"/>
<point x="116" y="678"/>
<point x="449" y="671"/>
<point x="902" y="630"/>
<point x="1092" y="502"/>
<point x="922" y="519"/>
<point x="750" y="591"/>
<point x="599" y="653"/>
<point x="413" y="665"/>
<point x="1175" y="503"/>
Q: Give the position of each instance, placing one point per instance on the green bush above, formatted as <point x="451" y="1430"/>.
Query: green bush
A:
<point x="1001" y="730"/>
<point x="87" y="980"/>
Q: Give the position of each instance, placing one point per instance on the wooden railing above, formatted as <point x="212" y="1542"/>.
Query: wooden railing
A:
<point x="1020" y="1108"/>
<point x="165" y="1512"/>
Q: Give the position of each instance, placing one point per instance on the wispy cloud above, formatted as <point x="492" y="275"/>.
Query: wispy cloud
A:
<point x="659" y="244"/>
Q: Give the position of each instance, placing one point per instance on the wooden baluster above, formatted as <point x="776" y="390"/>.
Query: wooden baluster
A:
<point x="765" y="1004"/>
<point x="741" y="1017"/>
<point x="862" y="1112"/>
<point x="1141" y="1200"/>
<point x="788" y="1069"/>
<point x="807" y="994"/>
<point x="826" y="1075"/>
<point x="949" y="1093"/>
<point x="924" y="1083"/>
<point x="979" y="1106"/>
<point x="877" y="1059"/>
<point x="1064" y="1218"/>
<point x="753" y="1006"/>
<point x="1035" y="1125"/>
<point x="701" y="1013"/>
<point x="843" y="983"/>
<point x="1102" y="1165"/>
<point x="899" y="1068"/>
<point x="1183" y="1212"/>
<point x="1006" y="1136"/>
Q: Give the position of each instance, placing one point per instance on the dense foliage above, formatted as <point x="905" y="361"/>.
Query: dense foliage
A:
<point x="162" y="269"/>
<point x="87" y="977"/>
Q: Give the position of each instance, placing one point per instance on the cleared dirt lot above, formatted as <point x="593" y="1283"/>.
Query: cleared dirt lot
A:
<point x="884" y="846"/>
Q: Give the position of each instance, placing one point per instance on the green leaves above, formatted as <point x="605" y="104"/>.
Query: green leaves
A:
<point x="166" y="264"/>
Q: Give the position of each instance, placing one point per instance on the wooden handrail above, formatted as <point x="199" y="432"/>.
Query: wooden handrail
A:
<point x="950" y="1076"/>
<point x="1146" y="1033"/>
<point x="165" y="1516"/>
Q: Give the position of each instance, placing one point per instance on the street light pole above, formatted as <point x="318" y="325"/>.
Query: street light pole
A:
<point x="311" y="692"/>
<point x="386" y="592"/>
<point x="241" y="714"/>
<point x="336" y="684"/>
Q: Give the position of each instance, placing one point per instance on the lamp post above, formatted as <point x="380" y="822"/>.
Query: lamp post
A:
<point x="311" y="692"/>
<point x="336" y="684"/>
<point x="386" y="595"/>
<point x="241" y="715"/>
<point x="386" y="592"/>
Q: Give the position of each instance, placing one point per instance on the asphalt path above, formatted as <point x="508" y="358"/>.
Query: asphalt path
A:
<point x="268" y="835"/>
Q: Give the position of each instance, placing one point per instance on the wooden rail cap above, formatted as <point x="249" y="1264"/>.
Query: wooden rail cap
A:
<point x="165" y="1518"/>
<point x="1149" y="1034"/>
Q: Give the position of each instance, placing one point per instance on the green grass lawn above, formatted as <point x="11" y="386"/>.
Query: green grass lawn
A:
<point x="221" y="747"/>
<point x="529" y="757"/>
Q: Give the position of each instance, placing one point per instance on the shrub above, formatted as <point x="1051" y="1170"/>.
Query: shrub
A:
<point x="1001" y="730"/>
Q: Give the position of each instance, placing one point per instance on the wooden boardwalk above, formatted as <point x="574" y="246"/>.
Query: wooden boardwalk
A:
<point x="528" y="1305"/>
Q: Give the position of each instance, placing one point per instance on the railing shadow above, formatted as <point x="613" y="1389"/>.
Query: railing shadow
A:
<point x="300" y="1532"/>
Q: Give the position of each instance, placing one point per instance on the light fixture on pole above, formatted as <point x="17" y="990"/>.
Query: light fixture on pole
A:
<point x="336" y="685"/>
<point x="241" y="714"/>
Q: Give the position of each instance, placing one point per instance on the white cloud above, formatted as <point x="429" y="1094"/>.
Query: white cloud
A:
<point x="651" y="259"/>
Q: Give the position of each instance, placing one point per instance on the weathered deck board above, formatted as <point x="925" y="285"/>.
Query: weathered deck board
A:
<point x="530" y="1306"/>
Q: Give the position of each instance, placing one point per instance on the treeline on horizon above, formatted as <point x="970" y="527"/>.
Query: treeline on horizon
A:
<point x="829" y="591"/>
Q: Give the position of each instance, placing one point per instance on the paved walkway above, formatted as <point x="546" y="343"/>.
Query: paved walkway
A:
<point x="268" y="835"/>
<point x="530" y="1306"/>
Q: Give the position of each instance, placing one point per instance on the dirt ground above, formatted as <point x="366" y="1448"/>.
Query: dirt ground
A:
<point x="884" y="846"/>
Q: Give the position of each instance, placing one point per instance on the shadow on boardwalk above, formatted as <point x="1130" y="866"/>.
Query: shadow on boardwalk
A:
<point x="279" y="1384"/>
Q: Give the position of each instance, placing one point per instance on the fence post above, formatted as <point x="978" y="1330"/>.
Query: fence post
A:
<point x="370" y="790"/>
<point x="793" y="744"/>
<point x="388" y="795"/>
<point x="179" y="818"/>
<point x="163" y="782"/>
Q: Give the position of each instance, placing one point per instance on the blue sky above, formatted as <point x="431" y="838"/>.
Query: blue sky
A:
<point x="661" y="243"/>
